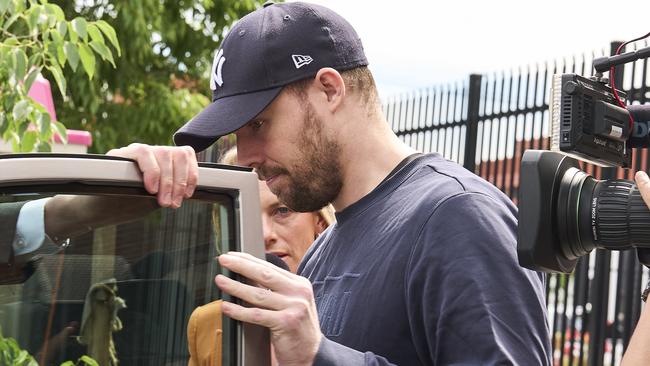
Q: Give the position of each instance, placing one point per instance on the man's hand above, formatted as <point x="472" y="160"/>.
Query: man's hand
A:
<point x="643" y="182"/>
<point x="169" y="172"/>
<point x="287" y="308"/>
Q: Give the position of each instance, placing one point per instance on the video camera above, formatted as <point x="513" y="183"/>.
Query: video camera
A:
<point x="564" y="213"/>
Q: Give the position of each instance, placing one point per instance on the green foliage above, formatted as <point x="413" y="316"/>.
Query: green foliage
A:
<point x="36" y="37"/>
<point x="161" y="80"/>
<point x="12" y="355"/>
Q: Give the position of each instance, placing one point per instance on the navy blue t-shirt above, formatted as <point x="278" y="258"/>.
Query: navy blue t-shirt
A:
<point x="423" y="271"/>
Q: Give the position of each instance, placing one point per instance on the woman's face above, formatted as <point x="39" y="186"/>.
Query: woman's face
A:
<point x="287" y="234"/>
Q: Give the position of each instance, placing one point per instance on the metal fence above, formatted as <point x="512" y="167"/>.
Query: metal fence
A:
<point x="485" y="124"/>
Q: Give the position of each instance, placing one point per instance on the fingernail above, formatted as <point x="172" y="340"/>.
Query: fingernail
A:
<point x="168" y="199"/>
<point x="155" y="187"/>
<point x="642" y="176"/>
<point x="225" y="306"/>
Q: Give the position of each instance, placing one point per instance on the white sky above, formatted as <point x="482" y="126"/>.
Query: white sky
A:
<point x="418" y="43"/>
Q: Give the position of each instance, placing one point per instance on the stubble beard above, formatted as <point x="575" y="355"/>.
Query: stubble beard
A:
<point x="315" y="178"/>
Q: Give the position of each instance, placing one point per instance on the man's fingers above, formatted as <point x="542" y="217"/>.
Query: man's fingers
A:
<point x="193" y="171"/>
<point x="265" y="318"/>
<point x="166" y="164"/>
<point x="263" y="262"/>
<point x="256" y="296"/>
<point x="147" y="164"/>
<point x="643" y="182"/>
<point x="169" y="172"/>
<point x="265" y="274"/>
<point x="181" y="170"/>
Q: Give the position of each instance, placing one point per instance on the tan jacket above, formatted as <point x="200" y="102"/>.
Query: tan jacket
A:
<point x="204" y="333"/>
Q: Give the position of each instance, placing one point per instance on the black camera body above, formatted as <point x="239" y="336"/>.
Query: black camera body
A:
<point x="565" y="213"/>
<point x="587" y="123"/>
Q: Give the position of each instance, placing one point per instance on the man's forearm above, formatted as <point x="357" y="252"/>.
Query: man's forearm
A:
<point x="67" y="216"/>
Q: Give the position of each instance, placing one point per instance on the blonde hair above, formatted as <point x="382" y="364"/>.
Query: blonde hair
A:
<point x="326" y="213"/>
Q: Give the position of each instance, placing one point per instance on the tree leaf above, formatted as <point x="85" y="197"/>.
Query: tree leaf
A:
<point x="4" y="6"/>
<point x="103" y="51"/>
<point x="58" y="77"/>
<point x="27" y="144"/>
<point x="11" y="21"/>
<point x="33" y="16"/>
<point x="72" y="33"/>
<point x="21" y="110"/>
<point x="29" y="80"/>
<point x="60" y="54"/>
<point x="56" y="11"/>
<point x="110" y="33"/>
<point x="87" y="59"/>
<point x="60" y="129"/>
<point x="95" y="33"/>
<point x="56" y="36"/>
<point x="80" y="25"/>
<point x="46" y="146"/>
<point x="44" y="122"/>
<point x="20" y="63"/>
<point x="62" y="28"/>
<point x="72" y="54"/>
<point x="88" y="360"/>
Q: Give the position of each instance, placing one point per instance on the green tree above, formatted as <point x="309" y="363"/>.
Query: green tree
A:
<point x="161" y="80"/>
<point x="36" y="37"/>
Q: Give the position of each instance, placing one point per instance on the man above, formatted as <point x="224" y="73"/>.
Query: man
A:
<point x="420" y="267"/>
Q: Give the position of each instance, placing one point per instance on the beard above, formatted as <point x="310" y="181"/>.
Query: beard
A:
<point x="314" y="179"/>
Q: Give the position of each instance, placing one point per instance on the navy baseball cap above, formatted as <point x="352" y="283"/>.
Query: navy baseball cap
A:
<point x="264" y="51"/>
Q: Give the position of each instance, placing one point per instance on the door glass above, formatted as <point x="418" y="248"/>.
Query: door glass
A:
<point x="109" y="276"/>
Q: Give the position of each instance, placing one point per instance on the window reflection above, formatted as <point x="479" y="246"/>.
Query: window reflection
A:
<point x="160" y="263"/>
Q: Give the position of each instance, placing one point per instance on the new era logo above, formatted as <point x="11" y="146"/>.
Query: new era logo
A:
<point x="301" y="60"/>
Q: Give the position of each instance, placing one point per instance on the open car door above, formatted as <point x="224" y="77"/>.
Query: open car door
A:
<point x="121" y="260"/>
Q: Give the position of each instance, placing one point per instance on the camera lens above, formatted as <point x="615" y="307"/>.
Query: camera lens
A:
<point x="608" y="214"/>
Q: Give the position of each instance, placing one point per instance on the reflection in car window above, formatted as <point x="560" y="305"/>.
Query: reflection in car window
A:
<point x="159" y="262"/>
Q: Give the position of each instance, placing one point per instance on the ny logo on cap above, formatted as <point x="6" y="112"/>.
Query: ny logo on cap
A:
<point x="301" y="60"/>
<point x="217" y="65"/>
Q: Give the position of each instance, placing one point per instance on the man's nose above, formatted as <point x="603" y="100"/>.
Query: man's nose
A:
<point x="248" y="153"/>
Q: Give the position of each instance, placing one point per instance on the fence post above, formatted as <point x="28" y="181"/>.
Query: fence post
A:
<point x="600" y="285"/>
<point x="473" y="103"/>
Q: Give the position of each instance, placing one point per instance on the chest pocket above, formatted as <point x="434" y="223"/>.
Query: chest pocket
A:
<point x="333" y="295"/>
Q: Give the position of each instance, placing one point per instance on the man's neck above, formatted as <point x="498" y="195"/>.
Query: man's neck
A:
<point x="366" y="161"/>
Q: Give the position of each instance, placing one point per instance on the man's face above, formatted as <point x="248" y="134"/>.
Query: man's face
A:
<point x="287" y="234"/>
<point x="288" y="146"/>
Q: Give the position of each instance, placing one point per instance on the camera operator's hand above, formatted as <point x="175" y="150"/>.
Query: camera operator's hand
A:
<point x="638" y="352"/>
<point x="643" y="182"/>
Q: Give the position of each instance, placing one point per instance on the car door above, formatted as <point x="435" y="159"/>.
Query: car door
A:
<point x="91" y="265"/>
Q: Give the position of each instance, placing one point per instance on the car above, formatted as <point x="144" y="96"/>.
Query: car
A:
<point x="160" y="260"/>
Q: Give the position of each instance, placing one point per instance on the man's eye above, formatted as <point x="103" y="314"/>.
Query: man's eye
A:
<point x="257" y="124"/>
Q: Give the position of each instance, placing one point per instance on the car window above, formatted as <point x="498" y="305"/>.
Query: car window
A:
<point x="155" y="265"/>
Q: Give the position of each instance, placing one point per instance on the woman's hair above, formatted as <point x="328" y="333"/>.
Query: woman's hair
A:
<point x="230" y="158"/>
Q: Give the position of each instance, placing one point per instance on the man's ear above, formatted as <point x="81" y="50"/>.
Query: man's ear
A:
<point x="329" y="82"/>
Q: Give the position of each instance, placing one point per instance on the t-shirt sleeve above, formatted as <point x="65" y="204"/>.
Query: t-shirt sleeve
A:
<point x="331" y="353"/>
<point x="469" y="302"/>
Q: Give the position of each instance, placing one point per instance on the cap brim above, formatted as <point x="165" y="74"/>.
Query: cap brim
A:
<point x="223" y="116"/>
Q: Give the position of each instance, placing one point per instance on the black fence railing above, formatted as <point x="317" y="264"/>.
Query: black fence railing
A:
<point x="485" y="124"/>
